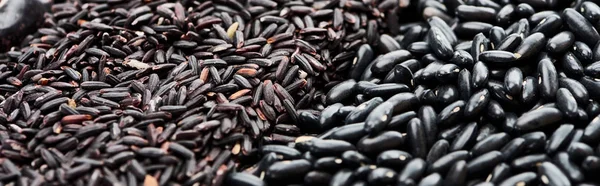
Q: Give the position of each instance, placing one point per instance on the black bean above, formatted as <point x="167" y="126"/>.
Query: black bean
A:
<point x="393" y="158"/>
<point x="524" y="178"/>
<point x="580" y="26"/>
<point x="285" y="170"/>
<point x="538" y="118"/>
<point x="384" y="141"/>
<point x="443" y="163"/>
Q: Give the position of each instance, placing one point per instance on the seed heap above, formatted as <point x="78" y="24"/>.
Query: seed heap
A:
<point x="479" y="93"/>
<point x="342" y="92"/>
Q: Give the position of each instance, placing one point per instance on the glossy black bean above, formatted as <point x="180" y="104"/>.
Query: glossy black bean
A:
<point x="328" y="164"/>
<point x="534" y="141"/>
<point x="571" y="65"/>
<point x="393" y="158"/>
<point x="385" y="90"/>
<point x="591" y="133"/>
<point x="499" y="57"/>
<point x="513" y="81"/>
<point x="593" y="70"/>
<point x="364" y="57"/>
<point x="538" y="118"/>
<point x="457" y="174"/>
<point x="548" y="26"/>
<point x="484" y="131"/>
<point x="525" y="178"/>
<point x="521" y="27"/>
<point x="379" y="118"/>
<point x="387" y="62"/>
<point x="561" y="42"/>
<point x="528" y="162"/>
<point x="384" y="141"/>
<point x="317" y="178"/>
<point x="531" y="45"/>
<point x="404" y="102"/>
<point x="446" y="94"/>
<point x="492" y="142"/>
<point x="506" y="15"/>
<point x="416" y="138"/>
<point x="437" y="150"/>
<point x="309" y="122"/>
<point x="462" y="58"/>
<point x="497" y="34"/>
<point x="470" y="29"/>
<point x="328" y="117"/>
<point x="483" y="164"/>
<point x="443" y="163"/>
<point x="341" y="92"/>
<point x="500" y="172"/>
<point x="578" y="151"/>
<point x="243" y="179"/>
<point x="508" y="124"/>
<point x="362" y="111"/>
<point x="433" y="179"/>
<point x="591" y="164"/>
<point x="382" y="176"/>
<point x="464" y="84"/>
<point x="399" y="121"/>
<point x="475" y="13"/>
<point x="548" y="79"/>
<point x="341" y="178"/>
<point x="477" y="103"/>
<point x="582" y="29"/>
<point x="288" y="171"/>
<point x="510" y="43"/>
<point x="571" y="170"/>
<point x="465" y="138"/>
<point x="403" y="72"/>
<point x="388" y="44"/>
<point x="354" y="159"/>
<point x="513" y="149"/>
<point x="566" y="103"/>
<point x="480" y="76"/>
<point x="583" y="52"/>
<point x="284" y="151"/>
<point x="320" y="148"/>
<point x="596" y="52"/>
<point x="480" y="43"/>
<point x="362" y="172"/>
<point x="345" y="110"/>
<point x="445" y="28"/>
<point x="550" y="174"/>
<point x="413" y="171"/>
<point x="420" y="48"/>
<point x="439" y="44"/>
<point x="530" y="92"/>
<point x="593" y="108"/>
<point x="428" y="73"/>
<point x="451" y="113"/>
<point x="427" y="116"/>
<point x="592" y="85"/>
<point x="447" y="73"/>
<point x="452" y="132"/>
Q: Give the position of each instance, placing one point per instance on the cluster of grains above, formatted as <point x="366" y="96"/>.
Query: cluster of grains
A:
<point x="305" y="92"/>
<point x="486" y="92"/>
<point x="132" y="92"/>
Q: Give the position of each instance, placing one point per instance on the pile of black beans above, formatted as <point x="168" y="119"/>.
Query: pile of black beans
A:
<point x="477" y="93"/>
<point x="304" y="92"/>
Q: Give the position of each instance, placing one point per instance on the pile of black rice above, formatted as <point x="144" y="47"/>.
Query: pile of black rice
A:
<point x="304" y="92"/>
